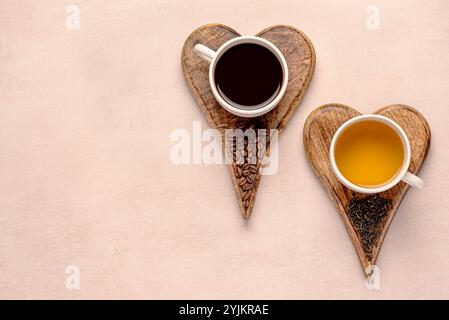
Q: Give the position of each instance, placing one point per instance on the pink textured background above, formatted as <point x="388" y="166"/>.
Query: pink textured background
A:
<point x="85" y="176"/>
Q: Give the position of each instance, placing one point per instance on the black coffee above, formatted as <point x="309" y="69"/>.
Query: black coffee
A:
<point x="248" y="75"/>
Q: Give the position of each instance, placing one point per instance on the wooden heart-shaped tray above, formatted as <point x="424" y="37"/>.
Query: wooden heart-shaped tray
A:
<point x="366" y="217"/>
<point x="300" y="56"/>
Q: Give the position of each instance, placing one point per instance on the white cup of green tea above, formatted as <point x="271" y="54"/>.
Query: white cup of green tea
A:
<point x="371" y="154"/>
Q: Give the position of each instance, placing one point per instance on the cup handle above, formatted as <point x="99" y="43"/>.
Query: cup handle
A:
<point x="413" y="180"/>
<point x="204" y="52"/>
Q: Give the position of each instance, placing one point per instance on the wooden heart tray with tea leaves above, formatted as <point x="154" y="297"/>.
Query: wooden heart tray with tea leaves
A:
<point x="300" y="56"/>
<point x="366" y="216"/>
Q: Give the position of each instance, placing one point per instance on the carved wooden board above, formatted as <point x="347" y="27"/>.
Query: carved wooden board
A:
<point x="366" y="217"/>
<point x="300" y="56"/>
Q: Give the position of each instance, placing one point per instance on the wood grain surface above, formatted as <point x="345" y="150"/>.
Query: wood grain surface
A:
<point x="300" y="56"/>
<point x="319" y="129"/>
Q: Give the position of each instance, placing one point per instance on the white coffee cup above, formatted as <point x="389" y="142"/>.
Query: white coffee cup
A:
<point x="214" y="56"/>
<point x="402" y="175"/>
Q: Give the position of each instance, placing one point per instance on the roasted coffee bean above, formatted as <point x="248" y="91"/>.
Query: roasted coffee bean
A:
<point x="238" y="172"/>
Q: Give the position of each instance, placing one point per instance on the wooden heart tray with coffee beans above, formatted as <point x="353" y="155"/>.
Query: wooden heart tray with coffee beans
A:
<point x="296" y="57"/>
<point x="366" y="216"/>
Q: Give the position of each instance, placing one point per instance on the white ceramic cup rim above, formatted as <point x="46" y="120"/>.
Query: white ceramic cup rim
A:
<point x="250" y="112"/>
<point x="405" y="143"/>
